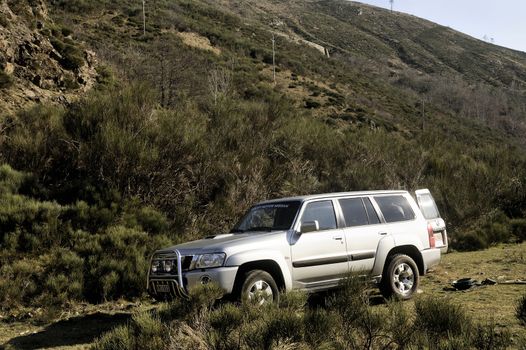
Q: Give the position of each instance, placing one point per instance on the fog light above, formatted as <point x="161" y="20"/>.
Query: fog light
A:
<point x="205" y="279"/>
<point x="168" y="265"/>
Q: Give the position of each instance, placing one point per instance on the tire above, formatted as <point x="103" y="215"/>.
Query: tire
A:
<point x="259" y="288"/>
<point x="400" y="278"/>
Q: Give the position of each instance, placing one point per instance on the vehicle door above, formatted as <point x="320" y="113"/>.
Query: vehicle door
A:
<point x="428" y="207"/>
<point x="318" y="250"/>
<point x="363" y="231"/>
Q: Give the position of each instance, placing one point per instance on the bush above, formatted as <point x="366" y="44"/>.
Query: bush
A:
<point x="320" y="327"/>
<point x="440" y="318"/>
<point x="487" y="337"/>
<point x="146" y="331"/>
<point x="120" y="338"/>
<point x="518" y="229"/>
<point x="11" y="180"/>
<point x="6" y="80"/>
<point x="150" y="332"/>
<point x="520" y="310"/>
<point x="471" y="240"/>
<point x="224" y="321"/>
<point x="53" y="254"/>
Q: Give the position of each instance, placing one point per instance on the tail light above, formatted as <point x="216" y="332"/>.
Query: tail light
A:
<point x="431" y="235"/>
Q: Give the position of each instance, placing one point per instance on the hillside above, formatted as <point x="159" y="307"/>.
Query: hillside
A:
<point x="117" y="138"/>
<point x="39" y="61"/>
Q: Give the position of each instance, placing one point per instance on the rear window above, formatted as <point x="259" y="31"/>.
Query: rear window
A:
<point x="395" y="208"/>
<point x="428" y="206"/>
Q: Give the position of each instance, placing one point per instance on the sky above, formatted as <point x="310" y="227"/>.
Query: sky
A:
<point x="503" y="21"/>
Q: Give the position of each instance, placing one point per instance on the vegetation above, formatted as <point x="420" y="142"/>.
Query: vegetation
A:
<point x="521" y="310"/>
<point x="344" y="321"/>
<point x="177" y="140"/>
<point x="6" y="80"/>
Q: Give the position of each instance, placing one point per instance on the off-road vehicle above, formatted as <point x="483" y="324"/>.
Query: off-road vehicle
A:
<point x="311" y="243"/>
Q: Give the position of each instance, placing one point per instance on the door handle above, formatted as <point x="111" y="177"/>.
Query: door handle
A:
<point x="382" y="233"/>
<point x="337" y="238"/>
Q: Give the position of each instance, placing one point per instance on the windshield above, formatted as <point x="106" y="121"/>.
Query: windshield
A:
<point x="268" y="217"/>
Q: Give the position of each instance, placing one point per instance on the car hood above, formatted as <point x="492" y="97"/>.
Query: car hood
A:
<point x="221" y="242"/>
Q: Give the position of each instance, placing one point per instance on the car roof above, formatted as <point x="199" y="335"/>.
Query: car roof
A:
<point x="331" y="195"/>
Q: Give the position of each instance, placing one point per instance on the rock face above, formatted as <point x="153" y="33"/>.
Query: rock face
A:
<point x="39" y="60"/>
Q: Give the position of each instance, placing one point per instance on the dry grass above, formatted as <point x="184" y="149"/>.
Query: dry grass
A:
<point x="198" y="41"/>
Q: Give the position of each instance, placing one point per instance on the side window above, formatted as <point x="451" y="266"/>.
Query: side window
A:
<point x="353" y="212"/>
<point x="323" y="212"/>
<point x="371" y="213"/>
<point x="395" y="208"/>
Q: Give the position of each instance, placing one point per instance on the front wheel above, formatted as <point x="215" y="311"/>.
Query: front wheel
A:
<point x="259" y="288"/>
<point x="400" y="278"/>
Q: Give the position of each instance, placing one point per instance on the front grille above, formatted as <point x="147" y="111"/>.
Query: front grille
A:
<point x="165" y="273"/>
<point x="186" y="261"/>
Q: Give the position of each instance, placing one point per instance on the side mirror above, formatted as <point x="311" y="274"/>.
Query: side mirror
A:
<point x="309" y="226"/>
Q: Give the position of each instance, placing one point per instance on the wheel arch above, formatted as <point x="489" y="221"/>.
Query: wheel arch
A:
<point x="412" y="252"/>
<point x="267" y="265"/>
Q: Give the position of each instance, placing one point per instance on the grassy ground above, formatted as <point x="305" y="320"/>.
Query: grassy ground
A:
<point x="501" y="263"/>
<point x="77" y="328"/>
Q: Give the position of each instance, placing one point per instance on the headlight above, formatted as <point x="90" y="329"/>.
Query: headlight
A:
<point x="209" y="260"/>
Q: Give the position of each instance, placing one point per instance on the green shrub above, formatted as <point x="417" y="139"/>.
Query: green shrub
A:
<point x="487" y="337"/>
<point x="311" y="104"/>
<point x="224" y="321"/>
<point x="283" y="325"/>
<point x="520" y="310"/>
<point x="471" y="240"/>
<point x="120" y="338"/>
<point x="200" y="298"/>
<point x="294" y="300"/>
<point x="64" y="277"/>
<point x="518" y="229"/>
<point x="320" y="327"/>
<point x="6" y="80"/>
<point x="441" y="318"/>
<point x="4" y="22"/>
<point x="117" y="262"/>
<point x="19" y="282"/>
<point x="400" y="324"/>
<point x="150" y="332"/>
<point x="11" y="180"/>
<point x="72" y="56"/>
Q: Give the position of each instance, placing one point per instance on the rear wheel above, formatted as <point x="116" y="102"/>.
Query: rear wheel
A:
<point x="259" y="288"/>
<point x="400" y="278"/>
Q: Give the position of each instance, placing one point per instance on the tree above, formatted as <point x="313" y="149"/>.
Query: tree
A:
<point x="219" y="83"/>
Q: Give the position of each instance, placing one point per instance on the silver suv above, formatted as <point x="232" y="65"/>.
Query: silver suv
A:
<point x="311" y="243"/>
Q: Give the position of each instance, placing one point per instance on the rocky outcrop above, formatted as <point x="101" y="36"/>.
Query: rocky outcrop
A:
<point x="39" y="60"/>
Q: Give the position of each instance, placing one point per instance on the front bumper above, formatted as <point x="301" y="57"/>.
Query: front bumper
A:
<point x="168" y="287"/>
<point x="165" y="286"/>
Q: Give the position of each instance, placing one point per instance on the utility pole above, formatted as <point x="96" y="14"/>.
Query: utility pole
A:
<point x="274" y="58"/>
<point x="143" y="19"/>
<point x="391" y="2"/>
